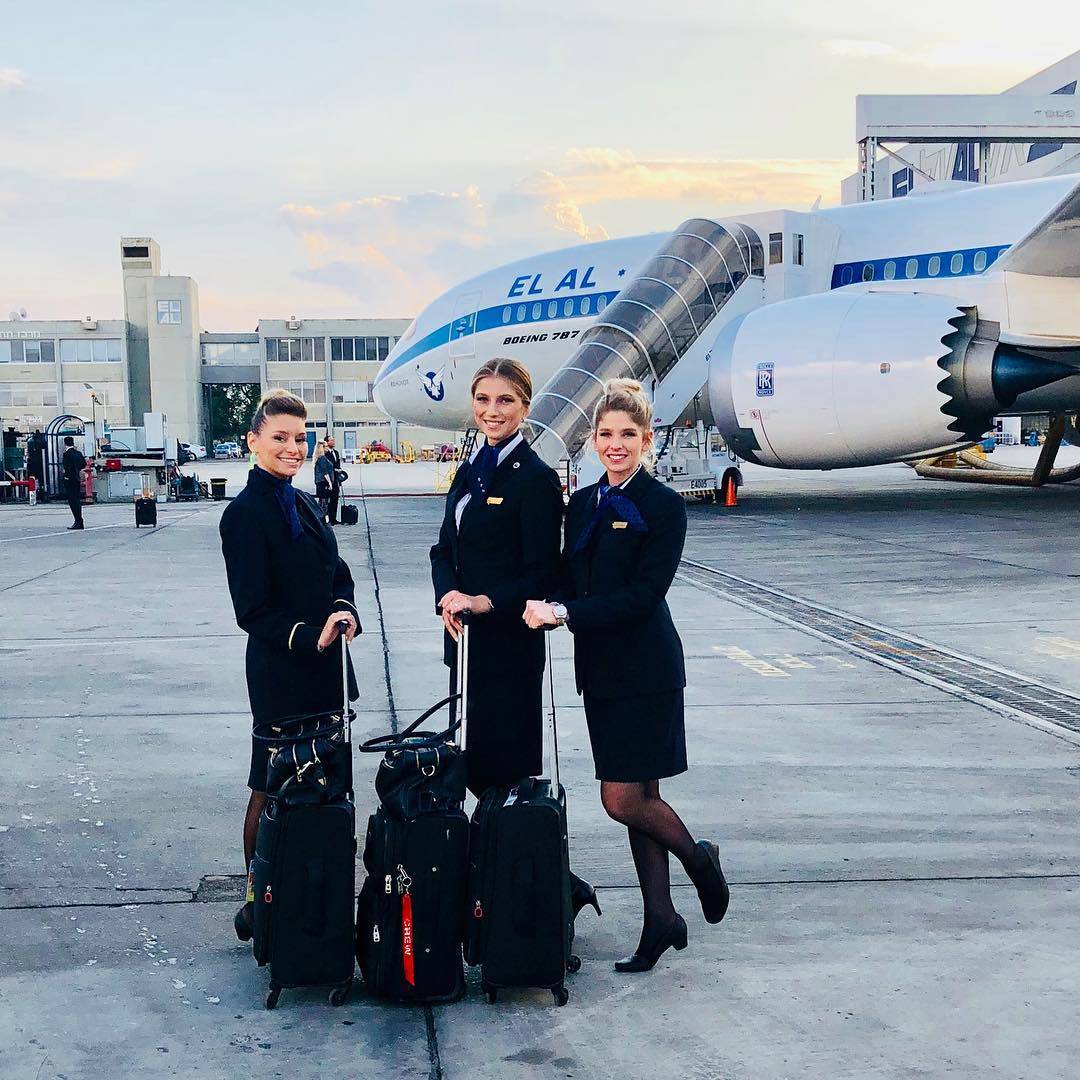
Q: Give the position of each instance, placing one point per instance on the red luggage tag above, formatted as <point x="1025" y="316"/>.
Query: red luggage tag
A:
<point x="408" y="959"/>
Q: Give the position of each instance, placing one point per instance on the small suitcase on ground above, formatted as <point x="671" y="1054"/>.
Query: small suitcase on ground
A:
<point x="305" y="857"/>
<point x="411" y="909"/>
<point x="520" y="923"/>
<point x="350" y="514"/>
<point x="145" y="512"/>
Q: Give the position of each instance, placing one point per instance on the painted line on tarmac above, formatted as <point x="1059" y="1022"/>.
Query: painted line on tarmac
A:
<point x="59" y="532"/>
<point x="857" y="635"/>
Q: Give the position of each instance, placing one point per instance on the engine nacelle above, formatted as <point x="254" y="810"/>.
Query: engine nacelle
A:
<point x="858" y="378"/>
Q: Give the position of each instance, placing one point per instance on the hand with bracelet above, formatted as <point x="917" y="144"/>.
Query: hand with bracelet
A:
<point x="454" y="602"/>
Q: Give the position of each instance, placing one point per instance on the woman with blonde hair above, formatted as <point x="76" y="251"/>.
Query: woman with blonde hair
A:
<point x="624" y="539"/>
<point x="499" y="545"/>
<point x="324" y="476"/>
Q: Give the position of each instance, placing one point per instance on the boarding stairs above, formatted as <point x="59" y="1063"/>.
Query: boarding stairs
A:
<point x="658" y="330"/>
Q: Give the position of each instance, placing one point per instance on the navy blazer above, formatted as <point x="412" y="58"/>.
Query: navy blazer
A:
<point x="625" y="643"/>
<point x="283" y="591"/>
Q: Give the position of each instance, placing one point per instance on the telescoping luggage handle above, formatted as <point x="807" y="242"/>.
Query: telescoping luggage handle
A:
<point x="346" y="712"/>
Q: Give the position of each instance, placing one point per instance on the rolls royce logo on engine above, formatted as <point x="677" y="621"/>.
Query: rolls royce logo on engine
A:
<point x="765" y="380"/>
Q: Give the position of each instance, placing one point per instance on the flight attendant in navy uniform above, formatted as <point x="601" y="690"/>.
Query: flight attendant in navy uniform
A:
<point x="624" y="540"/>
<point x="498" y="545"/>
<point x="289" y="589"/>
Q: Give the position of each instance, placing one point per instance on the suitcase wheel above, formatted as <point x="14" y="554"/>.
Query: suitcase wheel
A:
<point x="272" y="997"/>
<point x="340" y="994"/>
<point x="573" y="963"/>
<point x="562" y="995"/>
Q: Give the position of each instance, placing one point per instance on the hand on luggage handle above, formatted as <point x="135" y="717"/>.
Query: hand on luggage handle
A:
<point x="346" y="712"/>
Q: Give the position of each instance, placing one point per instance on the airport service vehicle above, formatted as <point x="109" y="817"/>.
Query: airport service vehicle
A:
<point x="854" y="335"/>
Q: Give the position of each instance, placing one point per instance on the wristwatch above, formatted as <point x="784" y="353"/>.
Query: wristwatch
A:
<point x="559" y="611"/>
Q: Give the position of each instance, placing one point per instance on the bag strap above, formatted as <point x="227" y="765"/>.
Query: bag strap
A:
<point x="393" y="741"/>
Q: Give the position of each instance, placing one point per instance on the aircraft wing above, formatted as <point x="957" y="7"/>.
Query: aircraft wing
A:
<point x="1042" y="278"/>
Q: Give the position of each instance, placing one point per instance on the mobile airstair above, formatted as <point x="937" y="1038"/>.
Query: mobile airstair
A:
<point x="658" y="330"/>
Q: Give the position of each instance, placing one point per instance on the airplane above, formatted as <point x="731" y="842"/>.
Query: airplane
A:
<point x="839" y="337"/>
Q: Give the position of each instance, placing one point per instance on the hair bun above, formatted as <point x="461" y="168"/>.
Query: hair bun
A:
<point x="631" y="386"/>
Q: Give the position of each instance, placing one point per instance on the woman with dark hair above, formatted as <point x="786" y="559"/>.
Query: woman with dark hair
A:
<point x="324" y="476"/>
<point x="499" y="545"/>
<point x="290" y="589"/>
<point x="624" y="540"/>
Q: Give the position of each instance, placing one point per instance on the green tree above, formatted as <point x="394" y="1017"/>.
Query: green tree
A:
<point x="229" y="409"/>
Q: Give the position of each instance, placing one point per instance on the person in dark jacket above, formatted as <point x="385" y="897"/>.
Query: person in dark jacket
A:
<point x="324" y="478"/>
<point x="289" y="589"/>
<point x="499" y="545"/>
<point x="72" y="464"/>
<point x="624" y="539"/>
<point x="336" y="475"/>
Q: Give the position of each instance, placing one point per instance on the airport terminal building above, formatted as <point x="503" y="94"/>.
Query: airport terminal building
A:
<point x="157" y="358"/>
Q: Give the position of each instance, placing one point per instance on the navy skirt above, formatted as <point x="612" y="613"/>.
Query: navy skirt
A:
<point x="635" y="739"/>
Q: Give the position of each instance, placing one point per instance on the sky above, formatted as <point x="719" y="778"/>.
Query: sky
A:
<point x="358" y="159"/>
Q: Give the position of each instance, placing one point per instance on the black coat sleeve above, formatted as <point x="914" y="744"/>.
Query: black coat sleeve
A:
<point x="661" y="551"/>
<point x="444" y="575"/>
<point x="565" y="589"/>
<point x="345" y="591"/>
<point x="541" y="526"/>
<point x="247" y="564"/>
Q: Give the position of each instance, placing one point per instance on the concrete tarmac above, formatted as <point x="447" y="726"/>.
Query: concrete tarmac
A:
<point x="905" y="864"/>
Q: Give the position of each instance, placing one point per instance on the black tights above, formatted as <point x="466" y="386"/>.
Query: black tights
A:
<point x="655" y="829"/>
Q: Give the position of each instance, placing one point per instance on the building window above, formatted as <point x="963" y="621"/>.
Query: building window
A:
<point x="310" y="392"/>
<point x="911" y="268"/>
<point x="230" y="352"/>
<point x="776" y="248"/>
<point x="979" y="263"/>
<point x="30" y="351"/>
<point x="351" y="392"/>
<point x="956" y="264"/>
<point x="109" y="394"/>
<point x="373" y="349"/>
<point x="90" y="350"/>
<point x="21" y="395"/>
<point x="797" y="248"/>
<point x="295" y="350"/>
<point x="169" y="313"/>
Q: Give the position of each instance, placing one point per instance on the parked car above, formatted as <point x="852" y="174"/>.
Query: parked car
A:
<point x="196" y="451"/>
<point x="226" y="450"/>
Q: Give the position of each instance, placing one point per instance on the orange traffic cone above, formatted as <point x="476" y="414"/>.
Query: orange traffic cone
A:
<point x="730" y="491"/>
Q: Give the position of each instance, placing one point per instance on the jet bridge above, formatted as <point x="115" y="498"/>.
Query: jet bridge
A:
<point x="654" y="331"/>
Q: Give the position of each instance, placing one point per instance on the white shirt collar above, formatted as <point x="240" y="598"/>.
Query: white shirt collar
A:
<point x="623" y="484"/>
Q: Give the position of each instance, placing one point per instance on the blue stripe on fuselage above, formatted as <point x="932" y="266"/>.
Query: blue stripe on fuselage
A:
<point x="587" y="305"/>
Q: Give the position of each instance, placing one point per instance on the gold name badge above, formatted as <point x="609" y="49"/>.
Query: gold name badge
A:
<point x="492" y="501"/>
<point x="618" y="524"/>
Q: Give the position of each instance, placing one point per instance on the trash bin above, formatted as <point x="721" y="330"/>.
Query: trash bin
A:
<point x="217" y="487"/>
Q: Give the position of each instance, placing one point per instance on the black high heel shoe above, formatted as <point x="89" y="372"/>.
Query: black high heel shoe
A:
<point x="582" y="894"/>
<point x="646" y="956"/>
<point x="711" y="885"/>
<point x="244" y="922"/>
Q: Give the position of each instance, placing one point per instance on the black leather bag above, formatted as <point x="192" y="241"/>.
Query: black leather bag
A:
<point x="421" y="772"/>
<point x="310" y="762"/>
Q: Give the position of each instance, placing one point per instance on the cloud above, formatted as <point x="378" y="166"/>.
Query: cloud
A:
<point x="396" y="252"/>
<point x="11" y="78"/>
<point x="112" y="169"/>
<point x="858" y="48"/>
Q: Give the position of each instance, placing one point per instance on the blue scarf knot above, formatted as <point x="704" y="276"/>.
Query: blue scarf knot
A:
<point x="611" y="500"/>
<point x="482" y="469"/>
<point x="285" y="494"/>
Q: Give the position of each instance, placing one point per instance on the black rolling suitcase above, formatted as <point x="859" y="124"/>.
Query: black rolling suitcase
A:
<point x="411" y="908"/>
<point x="350" y="513"/>
<point x="305" y="855"/>
<point x="145" y="512"/>
<point x="520" y="924"/>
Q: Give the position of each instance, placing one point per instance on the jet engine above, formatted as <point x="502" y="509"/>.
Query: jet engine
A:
<point x="862" y="378"/>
